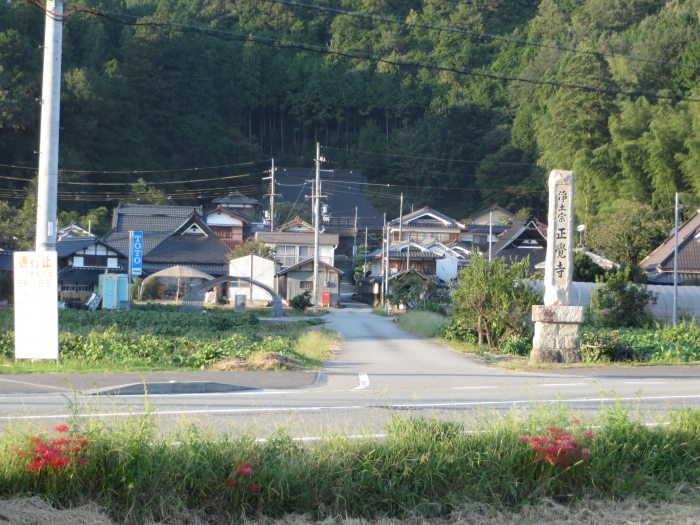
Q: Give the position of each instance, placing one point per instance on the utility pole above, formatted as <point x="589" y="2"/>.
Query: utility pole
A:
<point x="386" y="271"/>
<point x="675" y="264"/>
<point x="272" y="195"/>
<point x="354" y="240"/>
<point x="490" y="233"/>
<point x="46" y="206"/>
<point x="383" y="266"/>
<point x="401" y="219"/>
<point x="317" y="223"/>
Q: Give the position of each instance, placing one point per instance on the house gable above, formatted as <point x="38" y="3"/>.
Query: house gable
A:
<point x="660" y="261"/>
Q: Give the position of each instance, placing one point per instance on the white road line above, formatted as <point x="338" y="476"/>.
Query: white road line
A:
<point x="413" y="406"/>
<point x="364" y="382"/>
<point x="642" y="382"/>
<point x="474" y="387"/>
<point x="561" y="384"/>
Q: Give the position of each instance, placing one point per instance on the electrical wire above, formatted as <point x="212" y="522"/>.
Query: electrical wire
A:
<point x="131" y="20"/>
<point x="434" y="159"/>
<point x="478" y="35"/>
<point x="140" y="170"/>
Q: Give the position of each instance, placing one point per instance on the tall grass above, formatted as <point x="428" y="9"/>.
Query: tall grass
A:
<point x="427" y="324"/>
<point x="429" y="467"/>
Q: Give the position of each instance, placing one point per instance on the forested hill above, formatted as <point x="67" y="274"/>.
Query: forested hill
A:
<point x="458" y="103"/>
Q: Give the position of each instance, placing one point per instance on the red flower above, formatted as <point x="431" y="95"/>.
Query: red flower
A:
<point x="231" y="482"/>
<point x="83" y="460"/>
<point x="254" y="487"/>
<point x="62" y="427"/>
<point x="245" y="470"/>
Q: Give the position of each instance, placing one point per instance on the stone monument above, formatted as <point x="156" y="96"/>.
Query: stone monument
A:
<point x="557" y="321"/>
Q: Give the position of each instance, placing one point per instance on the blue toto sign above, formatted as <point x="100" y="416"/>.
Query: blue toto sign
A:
<point x="136" y="253"/>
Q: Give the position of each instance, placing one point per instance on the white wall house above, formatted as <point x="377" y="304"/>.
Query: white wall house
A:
<point x="447" y="268"/>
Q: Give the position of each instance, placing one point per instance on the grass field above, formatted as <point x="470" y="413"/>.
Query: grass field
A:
<point x="165" y="338"/>
<point x="424" y="468"/>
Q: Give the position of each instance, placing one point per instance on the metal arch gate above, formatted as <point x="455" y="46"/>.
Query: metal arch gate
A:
<point x="194" y="300"/>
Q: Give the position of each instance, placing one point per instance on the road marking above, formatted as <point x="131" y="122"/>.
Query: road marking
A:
<point x="414" y="406"/>
<point x="642" y="382"/>
<point x="474" y="387"/>
<point x="561" y="384"/>
<point x="364" y="382"/>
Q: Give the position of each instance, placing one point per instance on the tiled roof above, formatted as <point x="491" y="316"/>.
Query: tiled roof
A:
<point x="474" y="216"/>
<point x="296" y="238"/>
<point x="661" y="259"/>
<point x="212" y="269"/>
<point x="521" y="229"/>
<point x="156" y="223"/>
<point x="432" y="219"/>
<point x="236" y="197"/>
<point x="310" y="261"/>
<point x="483" y="229"/>
<point x="230" y="213"/>
<point x="70" y="245"/>
<point x="189" y="250"/>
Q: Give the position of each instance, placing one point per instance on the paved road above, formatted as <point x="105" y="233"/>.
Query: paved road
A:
<point x="379" y="372"/>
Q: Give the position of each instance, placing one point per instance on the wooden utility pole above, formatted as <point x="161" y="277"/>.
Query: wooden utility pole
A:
<point x="47" y="191"/>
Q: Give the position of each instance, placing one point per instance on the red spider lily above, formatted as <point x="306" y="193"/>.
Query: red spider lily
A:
<point x="245" y="470"/>
<point x="254" y="487"/>
<point x="231" y="482"/>
<point x="56" y="453"/>
<point x="560" y="447"/>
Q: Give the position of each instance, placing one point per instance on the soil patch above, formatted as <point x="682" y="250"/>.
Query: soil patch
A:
<point x="266" y="361"/>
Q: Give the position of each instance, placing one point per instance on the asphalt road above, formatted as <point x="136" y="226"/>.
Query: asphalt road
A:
<point x="379" y="372"/>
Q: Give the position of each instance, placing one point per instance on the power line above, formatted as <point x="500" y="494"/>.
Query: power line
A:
<point x="156" y="184"/>
<point x="131" y="20"/>
<point x="138" y="171"/>
<point x="479" y="35"/>
<point x="435" y="159"/>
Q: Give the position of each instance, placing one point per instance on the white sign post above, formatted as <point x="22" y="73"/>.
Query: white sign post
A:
<point x="36" y="305"/>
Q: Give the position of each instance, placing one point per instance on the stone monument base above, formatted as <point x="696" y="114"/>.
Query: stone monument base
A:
<point x="556" y="334"/>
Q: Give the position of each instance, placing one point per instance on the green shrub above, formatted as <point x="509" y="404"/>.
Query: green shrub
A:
<point x="670" y="344"/>
<point x="597" y="346"/>
<point x="620" y="302"/>
<point x="517" y="345"/>
<point x="455" y="330"/>
<point x="301" y="302"/>
<point x="492" y="300"/>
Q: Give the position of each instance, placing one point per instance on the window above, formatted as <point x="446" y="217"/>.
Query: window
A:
<point x="304" y="252"/>
<point x="95" y="260"/>
<point x="306" y="285"/>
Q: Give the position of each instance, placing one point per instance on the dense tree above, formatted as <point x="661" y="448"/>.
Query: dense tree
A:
<point x="627" y="232"/>
<point x="253" y="247"/>
<point x="141" y="93"/>
<point x="491" y="300"/>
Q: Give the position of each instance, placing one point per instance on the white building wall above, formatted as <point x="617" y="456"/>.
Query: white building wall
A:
<point x="222" y="219"/>
<point x="446" y="269"/>
<point x="257" y="268"/>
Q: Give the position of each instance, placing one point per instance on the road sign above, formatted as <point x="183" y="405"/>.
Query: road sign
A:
<point x="36" y="305"/>
<point x="135" y="253"/>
